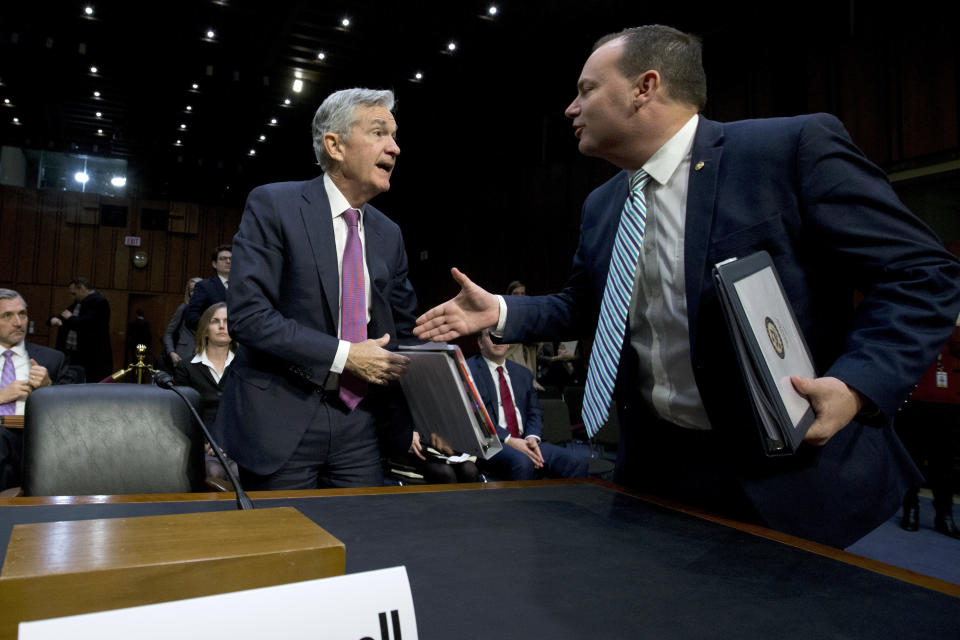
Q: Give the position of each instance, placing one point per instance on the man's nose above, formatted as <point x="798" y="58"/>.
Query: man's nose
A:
<point x="574" y="108"/>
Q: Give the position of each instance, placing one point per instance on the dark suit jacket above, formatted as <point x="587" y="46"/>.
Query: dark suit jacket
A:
<point x="524" y="395"/>
<point x="799" y="189"/>
<point x="11" y="440"/>
<point x="284" y="312"/>
<point x="205" y="293"/>
<point x="92" y="326"/>
<point x="197" y="376"/>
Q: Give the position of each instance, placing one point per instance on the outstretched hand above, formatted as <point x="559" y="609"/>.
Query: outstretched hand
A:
<point x="834" y="403"/>
<point x="370" y="361"/>
<point x="470" y="311"/>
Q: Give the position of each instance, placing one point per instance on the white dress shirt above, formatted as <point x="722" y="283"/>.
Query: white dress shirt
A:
<point x="21" y="363"/>
<point x="339" y="204"/>
<point x="204" y="360"/>
<point x="659" y="331"/>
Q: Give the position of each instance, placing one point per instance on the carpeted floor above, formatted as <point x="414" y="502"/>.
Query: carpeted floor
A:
<point x="925" y="551"/>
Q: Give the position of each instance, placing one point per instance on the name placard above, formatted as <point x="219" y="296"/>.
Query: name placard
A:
<point x="376" y="605"/>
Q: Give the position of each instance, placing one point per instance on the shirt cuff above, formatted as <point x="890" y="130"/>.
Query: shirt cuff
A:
<point x="501" y="323"/>
<point x="340" y="360"/>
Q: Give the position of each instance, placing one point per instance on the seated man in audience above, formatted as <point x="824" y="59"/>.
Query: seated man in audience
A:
<point x="25" y="367"/>
<point x="506" y="389"/>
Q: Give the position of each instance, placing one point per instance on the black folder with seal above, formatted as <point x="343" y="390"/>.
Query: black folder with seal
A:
<point x="770" y="348"/>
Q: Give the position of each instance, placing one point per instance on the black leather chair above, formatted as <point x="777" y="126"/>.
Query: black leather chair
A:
<point x="92" y="439"/>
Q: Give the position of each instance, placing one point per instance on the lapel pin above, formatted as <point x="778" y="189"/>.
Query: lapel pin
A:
<point x="698" y="166"/>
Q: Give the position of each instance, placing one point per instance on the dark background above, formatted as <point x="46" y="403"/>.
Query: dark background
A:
<point x="489" y="179"/>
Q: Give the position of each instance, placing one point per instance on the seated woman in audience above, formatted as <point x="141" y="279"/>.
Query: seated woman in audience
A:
<point x="213" y="351"/>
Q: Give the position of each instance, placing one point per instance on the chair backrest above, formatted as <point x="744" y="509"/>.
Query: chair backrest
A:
<point x="93" y="439"/>
<point x="556" y="421"/>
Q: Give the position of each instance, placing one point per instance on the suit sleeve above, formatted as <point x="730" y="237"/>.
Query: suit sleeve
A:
<point x="908" y="280"/>
<point x="403" y="299"/>
<point x="257" y="274"/>
<point x="94" y="312"/>
<point x="173" y="330"/>
<point x="532" y="413"/>
<point x="201" y="299"/>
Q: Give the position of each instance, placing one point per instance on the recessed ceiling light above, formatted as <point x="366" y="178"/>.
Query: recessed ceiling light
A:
<point x="16" y="121"/>
<point x="189" y="108"/>
<point x="262" y="137"/>
<point x="195" y="86"/>
<point x="321" y="56"/>
<point x="492" y="10"/>
<point x="286" y="101"/>
<point x="100" y="132"/>
<point x="6" y="101"/>
<point x="178" y="143"/>
<point x="253" y="152"/>
<point x="96" y="94"/>
<point x="297" y="86"/>
<point x="345" y="23"/>
<point x="273" y="121"/>
<point x="99" y="114"/>
<point x="451" y="46"/>
<point x="118" y="181"/>
<point x="93" y="69"/>
<point x="418" y="75"/>
<point x="211" y="34"/>
<point x="88" y="10"/>
<point x="183" y="126"/>
<point x="81" y="177"/>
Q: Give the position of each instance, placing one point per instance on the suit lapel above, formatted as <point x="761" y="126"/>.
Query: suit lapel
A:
<point x="701" y="207"/>
<point x="318" y="224"/>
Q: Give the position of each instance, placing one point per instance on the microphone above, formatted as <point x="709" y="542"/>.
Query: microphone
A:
<point x="165" y="381"/>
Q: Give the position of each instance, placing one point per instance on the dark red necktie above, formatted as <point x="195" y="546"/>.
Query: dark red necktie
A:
<point x="509" y="410"/>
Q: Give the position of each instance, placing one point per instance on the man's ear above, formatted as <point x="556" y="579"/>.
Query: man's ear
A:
<point x="333" y="146"/>
<point x="646" y="86"/>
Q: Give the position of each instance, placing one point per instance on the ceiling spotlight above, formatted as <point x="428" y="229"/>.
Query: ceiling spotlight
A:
<point x="16" y="121"/>
<point x="492" y="10"/>
<point x="262" y="137"/>
<point x="273" y="121"/>
<point x="418" y="75"/>
<point x="118" y="181"/>
<point x="211" y="34"/>
<point x="286" y="101"/>
<point x="253" y="152"/>
<point x="88" y="10"/>
<point x="297" y="86"/>
<point x="182" y="127"/>
<point x="6" y="101"/>
<point x="99" y="114"/>
<point x="189" y="108"/>
<point x="93" y="69"/>
<point x="99" y="132"/>
<point x="451" y="46"/>
<point x="178" y="143"/>
<point x="81" y="177"/>
<point x="195" y="86"/>
<point x="321" y="56"/>
<point x="345" y="23"/>
<point x="96" y="94"/>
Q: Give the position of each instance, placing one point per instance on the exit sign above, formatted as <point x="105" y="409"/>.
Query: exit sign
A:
<point x="131" y="241"/>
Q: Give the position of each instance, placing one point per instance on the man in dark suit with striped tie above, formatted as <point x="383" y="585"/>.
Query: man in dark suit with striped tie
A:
<point x="702" y="192"/>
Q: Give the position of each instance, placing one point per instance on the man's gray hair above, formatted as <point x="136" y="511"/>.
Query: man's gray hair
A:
<point x="10" y="294"/>
<point x="336" y="115"/>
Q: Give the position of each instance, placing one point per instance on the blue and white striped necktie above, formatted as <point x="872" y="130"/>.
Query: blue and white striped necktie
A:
<point x="613" y="310"/>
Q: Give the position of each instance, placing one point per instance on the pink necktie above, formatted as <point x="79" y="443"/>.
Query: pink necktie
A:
<point x="8" y="376"/>
<point x="353" y="308"/>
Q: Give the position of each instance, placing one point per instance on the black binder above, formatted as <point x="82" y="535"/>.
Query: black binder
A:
<point x="770" y="348"/>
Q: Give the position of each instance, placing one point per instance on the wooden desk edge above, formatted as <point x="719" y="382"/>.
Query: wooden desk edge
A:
<point x="898" y="573"/>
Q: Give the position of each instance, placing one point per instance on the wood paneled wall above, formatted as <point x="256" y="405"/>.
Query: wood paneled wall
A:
<point x="42" y="247"/>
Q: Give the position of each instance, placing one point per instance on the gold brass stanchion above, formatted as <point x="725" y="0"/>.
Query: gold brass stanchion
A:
<point x="139" y="366"/>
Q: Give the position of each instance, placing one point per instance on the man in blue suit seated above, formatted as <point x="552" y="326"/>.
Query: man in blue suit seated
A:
<point x="693" y="193"/>
<point x="506" y="389"/>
